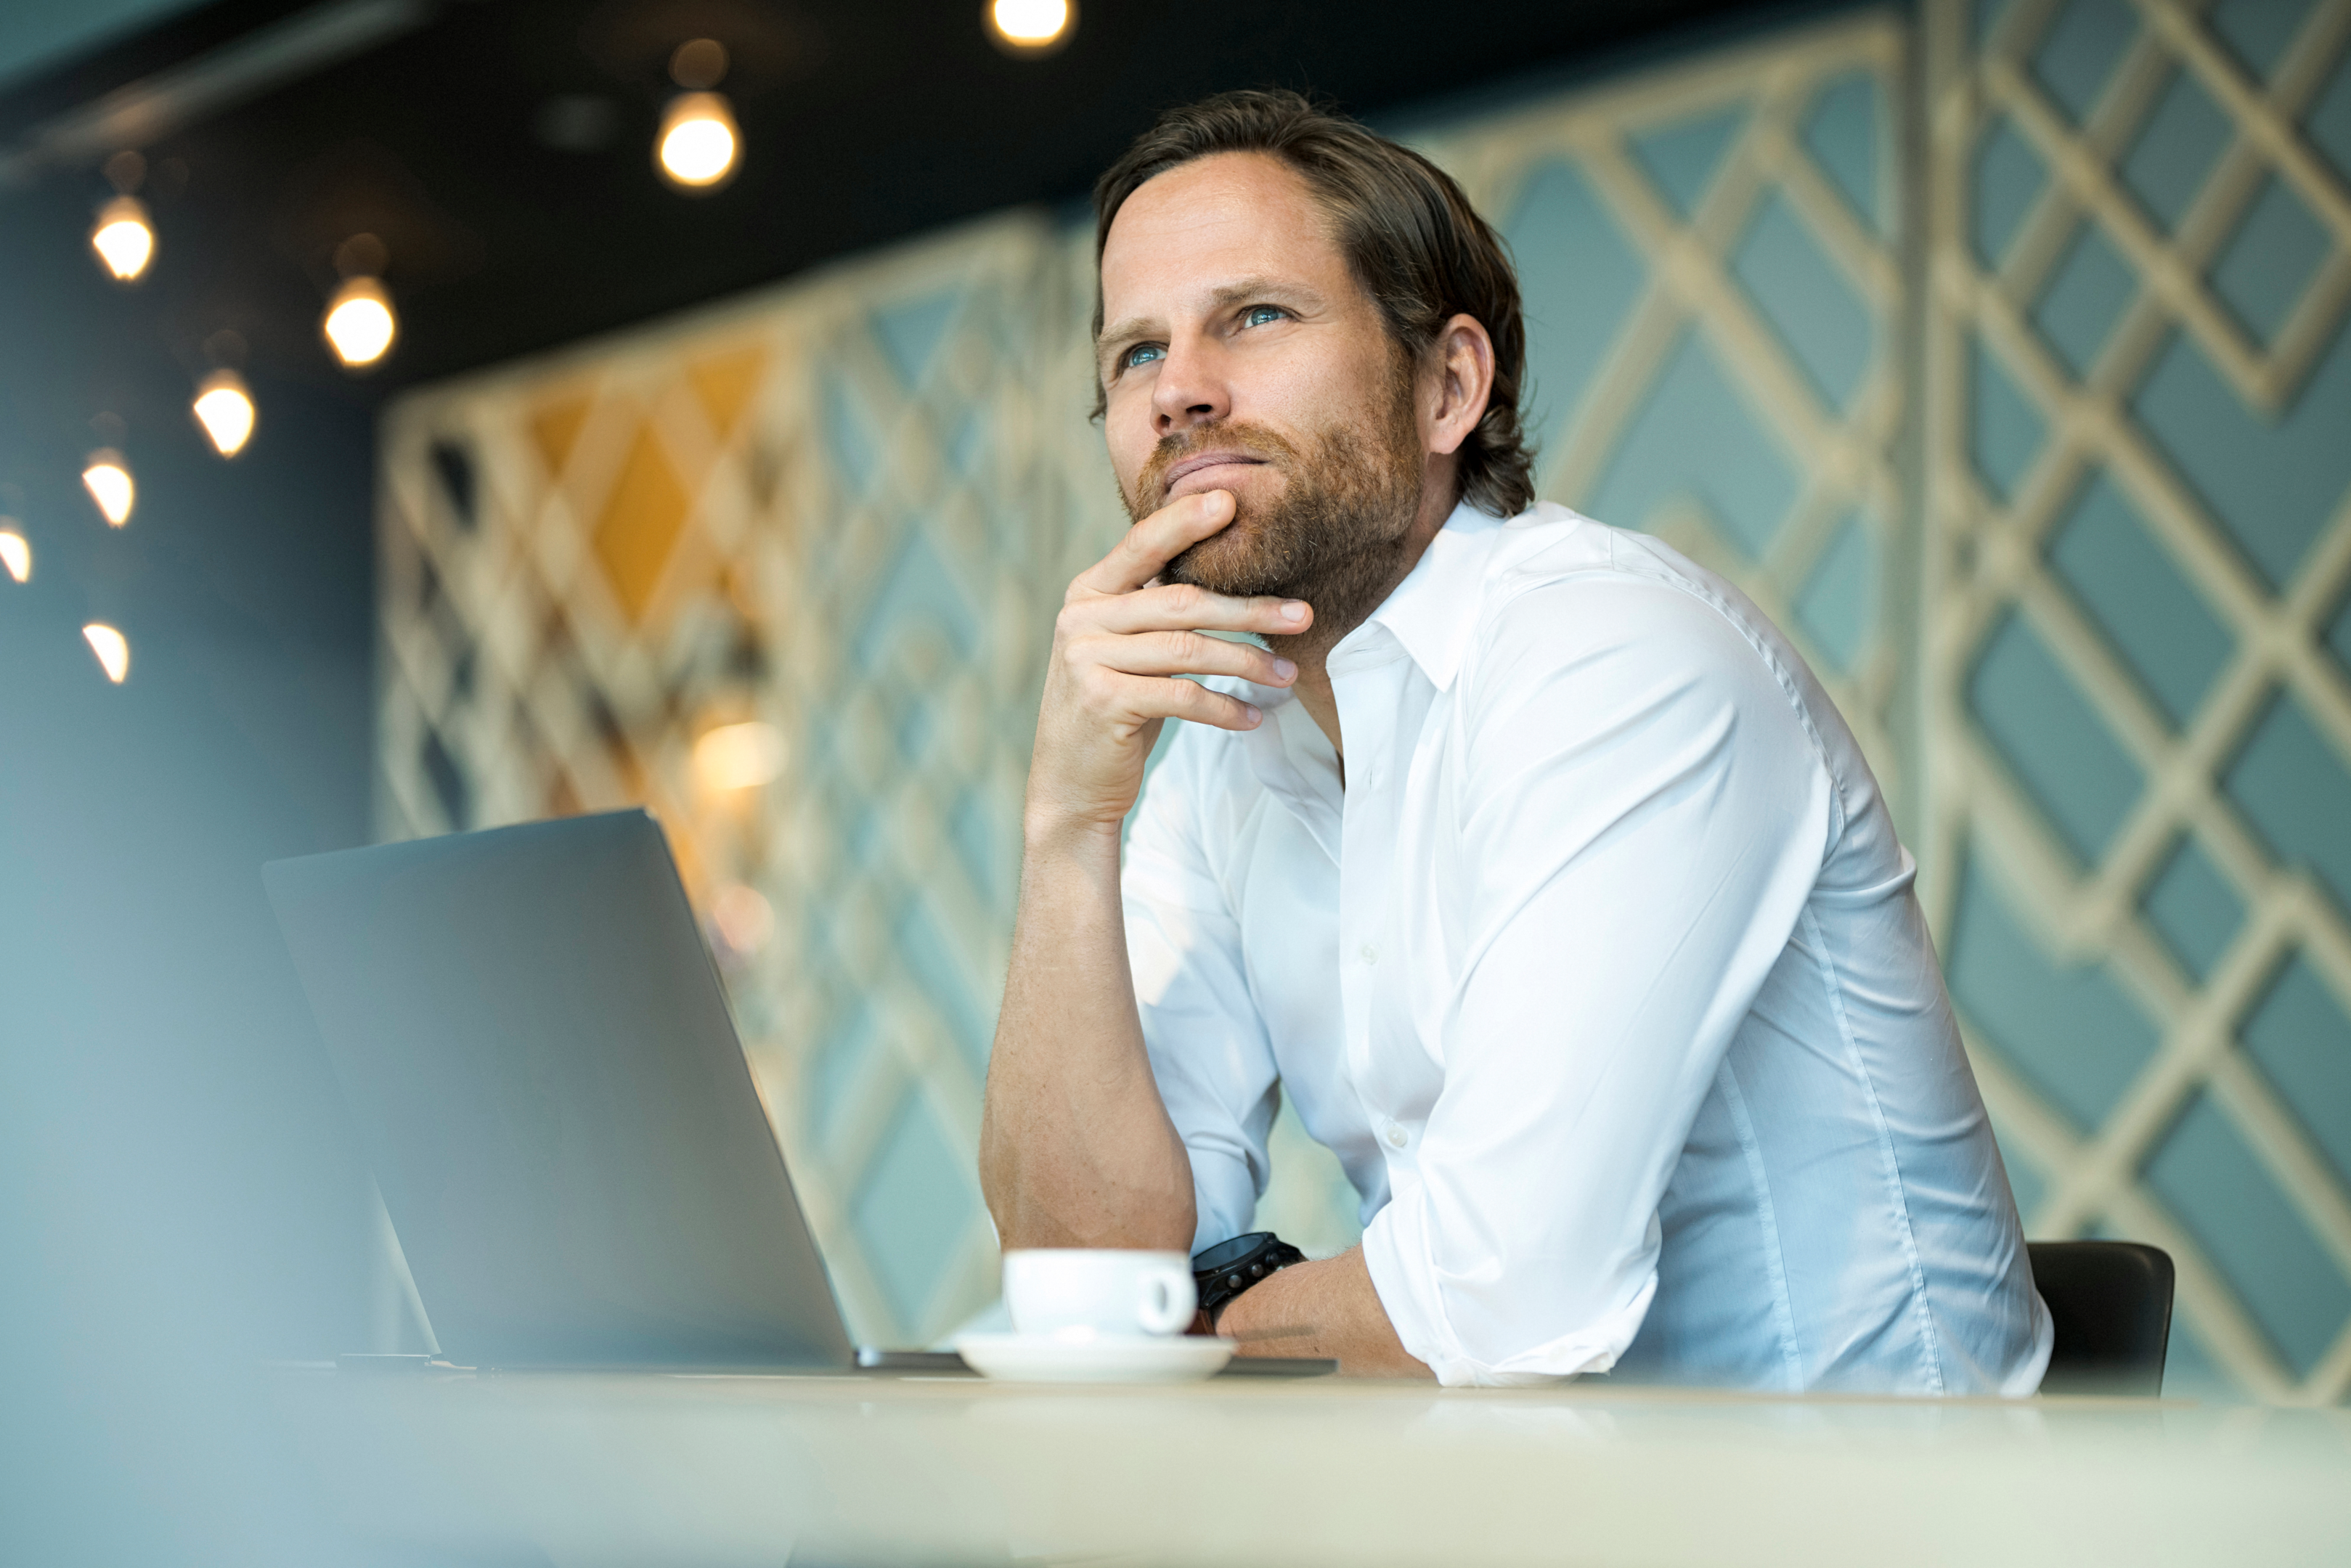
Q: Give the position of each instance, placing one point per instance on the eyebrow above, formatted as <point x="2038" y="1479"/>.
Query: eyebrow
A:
<point x="1224" y="295"/>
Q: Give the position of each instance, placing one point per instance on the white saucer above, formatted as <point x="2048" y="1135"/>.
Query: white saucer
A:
<point x="1108" y="1358"/>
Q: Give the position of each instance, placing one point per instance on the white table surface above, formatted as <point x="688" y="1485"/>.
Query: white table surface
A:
<point x="599" y="1472"/>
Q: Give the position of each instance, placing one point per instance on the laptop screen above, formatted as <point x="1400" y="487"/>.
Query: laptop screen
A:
<point x="540" y="1060"/>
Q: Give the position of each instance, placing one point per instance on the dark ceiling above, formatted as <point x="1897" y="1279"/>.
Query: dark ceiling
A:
<point x="862" y="123"/>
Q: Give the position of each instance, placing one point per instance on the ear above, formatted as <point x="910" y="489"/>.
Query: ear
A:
<point x="1458" y="378"/>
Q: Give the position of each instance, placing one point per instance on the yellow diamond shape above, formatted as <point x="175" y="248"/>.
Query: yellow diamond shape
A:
<point x="555" y="427"/>
<point x="642" y="518"/>
<point x="725" y="385"/>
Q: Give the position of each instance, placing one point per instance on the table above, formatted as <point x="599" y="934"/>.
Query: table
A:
<point x="602" y="1471"/>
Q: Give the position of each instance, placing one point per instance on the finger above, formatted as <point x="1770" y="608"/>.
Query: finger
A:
<point x="1181" y="607"/>
<point x="1157" y="540"/>
<point x="1183" y="653"/>
<point x="1169" y="697"/>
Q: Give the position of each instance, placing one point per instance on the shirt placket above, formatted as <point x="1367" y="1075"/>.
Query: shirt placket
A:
<point x="1367" y="709"/>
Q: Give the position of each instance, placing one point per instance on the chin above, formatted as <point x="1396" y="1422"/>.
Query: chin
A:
<point x="1233" y="561"/>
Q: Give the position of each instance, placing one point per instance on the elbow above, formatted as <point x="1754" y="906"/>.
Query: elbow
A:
<point x="1044" y="1193"/>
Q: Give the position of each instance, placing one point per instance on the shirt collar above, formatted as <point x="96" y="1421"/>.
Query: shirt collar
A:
<point x="1434" y="609"/>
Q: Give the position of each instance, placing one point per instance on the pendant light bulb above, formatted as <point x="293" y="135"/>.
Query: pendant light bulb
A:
<point x="699" y="145"/>
<point x="16" y="551"/>
<point x="107" y="477"/>
<point x="360" y="324"/>
<point x="124" y="238"/>
<point x="112" y="648"/>
<point x="224" y="408"/>
<point x="1031" y="26"/>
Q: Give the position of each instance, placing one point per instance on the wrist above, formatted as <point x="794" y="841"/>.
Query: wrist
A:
<point x="1050" y="833"/>
<point x="1225" y="1273"/>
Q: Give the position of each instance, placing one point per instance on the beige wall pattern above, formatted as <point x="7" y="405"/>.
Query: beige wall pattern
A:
<point x="841" y="510"/>
<point x="2137" y="537"/>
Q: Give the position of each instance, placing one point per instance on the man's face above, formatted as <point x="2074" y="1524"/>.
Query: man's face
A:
<point x="1238" y="353"/>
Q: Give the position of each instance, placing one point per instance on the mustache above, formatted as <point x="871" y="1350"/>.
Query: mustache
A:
<point x="1224" y="435"/>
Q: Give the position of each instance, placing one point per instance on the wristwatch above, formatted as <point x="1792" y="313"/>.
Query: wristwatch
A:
<point x="1225" y="1270"/>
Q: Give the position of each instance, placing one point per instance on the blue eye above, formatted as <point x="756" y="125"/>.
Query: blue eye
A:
<point x="1144" y="353"/>
<point x="1258" y="315"/>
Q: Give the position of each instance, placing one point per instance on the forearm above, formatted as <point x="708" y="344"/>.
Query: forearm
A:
<point x="1325" y="1308"/>
<point x="1076" y="1147"/>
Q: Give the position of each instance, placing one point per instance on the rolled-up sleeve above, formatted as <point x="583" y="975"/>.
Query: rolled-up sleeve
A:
<point x="1642" y="812"/>
<point x="1209" y="1047"/>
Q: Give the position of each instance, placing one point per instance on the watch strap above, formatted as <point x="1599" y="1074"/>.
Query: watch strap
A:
<point x="1218" y="1286"/>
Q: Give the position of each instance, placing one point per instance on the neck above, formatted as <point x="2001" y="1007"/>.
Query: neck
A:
<point x="1334" y="618"/>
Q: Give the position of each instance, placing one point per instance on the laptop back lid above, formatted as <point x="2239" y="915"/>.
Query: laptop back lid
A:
<point x="539" y="1059"/>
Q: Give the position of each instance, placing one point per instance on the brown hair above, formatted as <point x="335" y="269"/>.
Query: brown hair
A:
<point x="1411" y="239"/>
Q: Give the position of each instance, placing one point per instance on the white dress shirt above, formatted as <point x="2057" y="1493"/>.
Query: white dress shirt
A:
<point x="1602" y="976"/>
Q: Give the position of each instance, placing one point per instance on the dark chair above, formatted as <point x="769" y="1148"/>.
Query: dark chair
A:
<point x="2112" y="1304"/>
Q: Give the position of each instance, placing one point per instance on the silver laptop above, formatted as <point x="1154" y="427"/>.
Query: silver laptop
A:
<point x="542" y="1065"/>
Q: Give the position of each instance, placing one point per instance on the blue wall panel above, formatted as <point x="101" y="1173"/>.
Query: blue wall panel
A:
<point x="2139" y="480"/>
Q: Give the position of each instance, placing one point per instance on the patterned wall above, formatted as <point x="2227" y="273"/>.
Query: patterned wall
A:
<point x="2137" y="397"/>
<point x="2073" y="564"/>
<point x="843" y="511"/>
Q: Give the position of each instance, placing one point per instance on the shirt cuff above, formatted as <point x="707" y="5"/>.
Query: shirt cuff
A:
<point x="1410" y="1284"/>
<point x="1224" y="1197"/>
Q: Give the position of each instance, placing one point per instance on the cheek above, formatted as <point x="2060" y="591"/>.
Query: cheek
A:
<point x="1307" y="393"/>
<point x="1126" y="427"/>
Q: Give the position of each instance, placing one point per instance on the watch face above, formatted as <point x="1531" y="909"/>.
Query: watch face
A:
<point x="1225" y="1254"/>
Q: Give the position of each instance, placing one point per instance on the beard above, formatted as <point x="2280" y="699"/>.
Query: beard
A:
<point x="1333" y="535"/>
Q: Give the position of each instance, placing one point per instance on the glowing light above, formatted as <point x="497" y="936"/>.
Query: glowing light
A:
<point x="744" y="919"/>
<point x="360" y="324"/>
<point x="224" y="409"/>
<point x="124" y="239"/>
<point x="108" y="479"/>
<point x="698" y="142"/>
<point x="738" y="757"/>
<point x="113" y="650"/>
<point x="16" y="553"/>
<point x="1032" y="26"/>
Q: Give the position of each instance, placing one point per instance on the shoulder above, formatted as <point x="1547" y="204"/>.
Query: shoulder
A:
<point x="1597" y="593"/>
<point x="1606" y="621"/>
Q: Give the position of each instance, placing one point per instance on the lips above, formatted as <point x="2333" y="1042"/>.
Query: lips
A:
<point x="1202" y="461"/>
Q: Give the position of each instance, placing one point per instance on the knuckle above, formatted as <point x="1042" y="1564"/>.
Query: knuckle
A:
<point x="1097" y="687"/>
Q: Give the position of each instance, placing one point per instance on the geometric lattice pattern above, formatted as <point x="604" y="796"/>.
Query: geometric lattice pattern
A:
<point x="2137" y="830"/>
<point x="1710" y="259"/>
<point x="843" y="510"/>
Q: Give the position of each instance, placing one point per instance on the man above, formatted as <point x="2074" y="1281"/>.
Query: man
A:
<point x="1525" y="856"/>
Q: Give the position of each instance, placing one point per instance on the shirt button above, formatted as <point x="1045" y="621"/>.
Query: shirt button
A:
<point x="1397" y="1136"/>
<point x="1368" y="953"/>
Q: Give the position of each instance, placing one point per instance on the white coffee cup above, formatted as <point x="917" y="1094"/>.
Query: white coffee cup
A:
<point x="1084" y="1293"/>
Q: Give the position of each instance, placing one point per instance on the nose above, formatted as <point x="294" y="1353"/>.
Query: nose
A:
<point x="1190" y="390"/>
